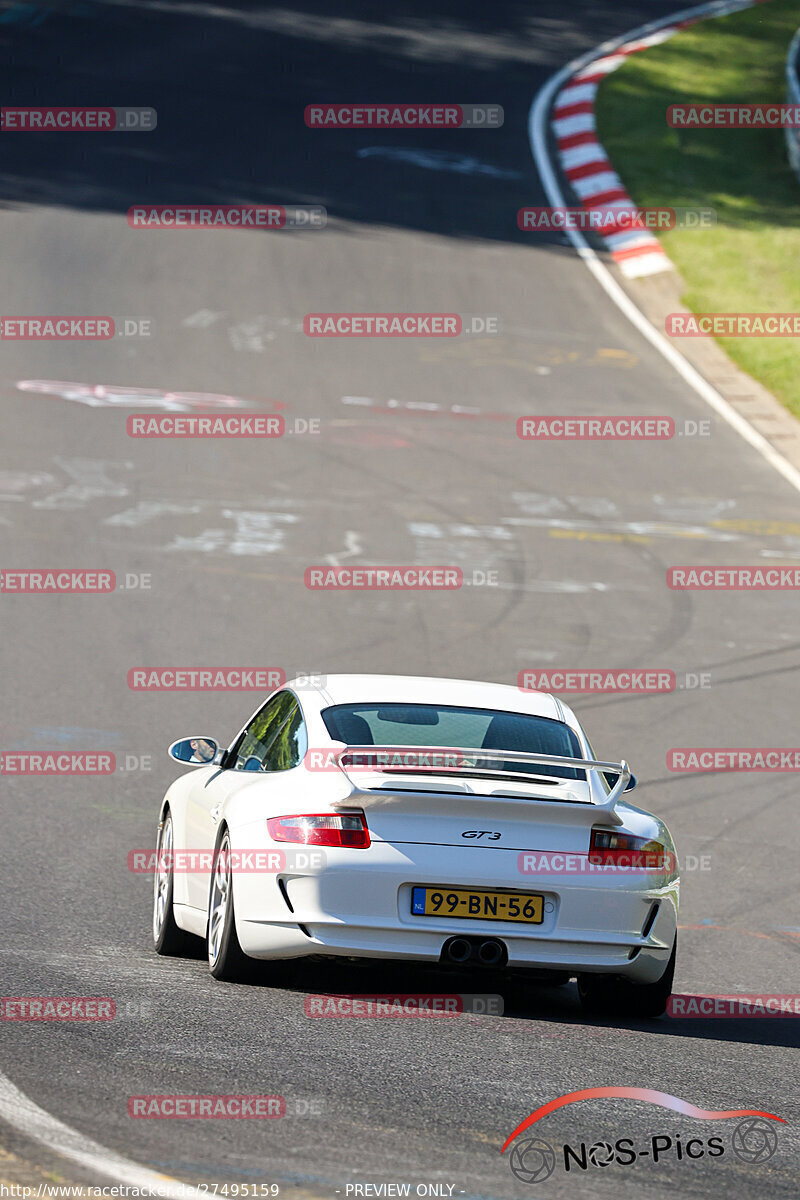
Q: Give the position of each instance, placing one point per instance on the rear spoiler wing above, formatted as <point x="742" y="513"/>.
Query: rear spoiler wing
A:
<point x="452" y="763"/>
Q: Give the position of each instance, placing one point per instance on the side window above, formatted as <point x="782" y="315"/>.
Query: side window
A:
<point x="263" y="730"/>
<point x="290" y="746"/>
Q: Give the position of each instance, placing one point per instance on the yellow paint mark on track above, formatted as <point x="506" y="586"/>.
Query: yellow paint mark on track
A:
<point x="585" y="535"/>
<point x="763" y="528"/>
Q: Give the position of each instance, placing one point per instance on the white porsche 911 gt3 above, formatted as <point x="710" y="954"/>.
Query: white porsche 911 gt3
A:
<point x="440" y="820"/>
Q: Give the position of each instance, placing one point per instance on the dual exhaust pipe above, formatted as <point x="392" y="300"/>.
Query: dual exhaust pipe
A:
<point x="483" y="952"/>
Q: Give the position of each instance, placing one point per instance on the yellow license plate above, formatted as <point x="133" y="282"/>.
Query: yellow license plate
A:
<point x="484" y="906"/>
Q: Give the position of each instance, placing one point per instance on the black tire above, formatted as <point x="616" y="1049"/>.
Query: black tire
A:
<point x="168" y="938"/>
<point x="612" y="996"/>
<point x="226" y="959"/>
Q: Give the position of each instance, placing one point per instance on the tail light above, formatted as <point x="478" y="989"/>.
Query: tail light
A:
<point x="625" y="850"/>
<point x="346" y="830"/>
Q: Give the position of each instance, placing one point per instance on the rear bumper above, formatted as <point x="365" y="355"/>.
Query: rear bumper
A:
<point x="359" y="905"/>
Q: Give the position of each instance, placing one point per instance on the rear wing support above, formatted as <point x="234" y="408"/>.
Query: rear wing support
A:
<point x="455" y="761"/>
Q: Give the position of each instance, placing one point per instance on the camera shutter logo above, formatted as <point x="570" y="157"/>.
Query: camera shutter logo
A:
<point x="533" y="1160"/>
<point x="754" y="1140"/>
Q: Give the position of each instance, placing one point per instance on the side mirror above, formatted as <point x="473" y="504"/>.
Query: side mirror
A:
<point x="197" y="751"/>
<point x="252" y="763"/>
<point x="631" y="784"/>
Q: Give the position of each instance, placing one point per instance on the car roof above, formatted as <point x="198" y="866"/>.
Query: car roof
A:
<point x="423" y="689"/>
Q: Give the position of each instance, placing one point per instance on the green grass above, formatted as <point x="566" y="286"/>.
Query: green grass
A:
<point x="750" y="261"/>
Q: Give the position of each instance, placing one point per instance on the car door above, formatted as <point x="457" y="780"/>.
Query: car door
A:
<point x="207" y="797"/>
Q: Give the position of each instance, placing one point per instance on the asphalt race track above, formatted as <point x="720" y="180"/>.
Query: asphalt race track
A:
<point x="579" y="535"/>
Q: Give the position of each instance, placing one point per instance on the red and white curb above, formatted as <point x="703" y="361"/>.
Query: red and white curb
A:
<point x="586" y="164"/>
<point x="539" y="124"/>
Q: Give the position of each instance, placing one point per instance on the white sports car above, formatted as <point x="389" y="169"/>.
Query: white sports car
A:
<point x="440" y="820"/>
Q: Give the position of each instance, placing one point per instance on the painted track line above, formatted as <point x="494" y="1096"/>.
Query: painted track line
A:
<point x="537" y="133"/>
<point x="20" y="1112"/>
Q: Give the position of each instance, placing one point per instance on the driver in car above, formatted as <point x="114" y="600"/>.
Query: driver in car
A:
<point x="202" y="751"/>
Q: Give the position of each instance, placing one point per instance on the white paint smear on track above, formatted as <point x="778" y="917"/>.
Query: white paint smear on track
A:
<point x="562" y="587"/>
<point x="91" y="481"/>
<point x="20" y="1112"/>
<point x="438" y="160"/>
<point x="150" y="510"/>
<point x="352" y="549"/>
<point x="256" y="533"/>
<point x="103" y="395"/>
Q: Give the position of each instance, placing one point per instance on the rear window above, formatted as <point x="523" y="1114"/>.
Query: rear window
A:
<point x="461" y="728"/>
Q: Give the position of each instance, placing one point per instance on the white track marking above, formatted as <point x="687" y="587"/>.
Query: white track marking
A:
<point x="256" y="533"/>
<point x="91" y="482"/>
<point x="202" y="319"/>
<point x="438" y="160"/>
<point x="103" y="395"/>
<point x="562" y="587"/>
<point x="254" y="335"/>
<point x="460" y="410"/>
<point x="14" y="483"/>
<point x="352" y="548"/>
<point x="538" y="504"/>
<point x="537" y="132"/>
<point x="427" y="529"/>
<point x="20" y="1112"/>
<point x="692" y="509"/>
<point x="148" y="510"/>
